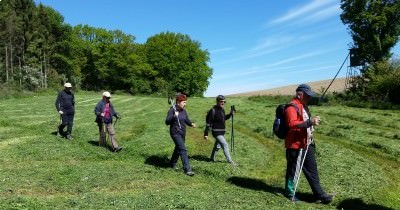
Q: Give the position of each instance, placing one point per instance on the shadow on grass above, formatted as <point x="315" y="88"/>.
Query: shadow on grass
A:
<point x="259" y="185"/>
<point x="158" y="161"/>
<point x="358" y="204"/>
<point x="96" y="143"/>
<point x="200" y="158"/>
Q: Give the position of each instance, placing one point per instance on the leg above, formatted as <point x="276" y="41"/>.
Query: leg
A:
<point x="221" y="140"/>
<point x="214" y="150"/>
<point x="64" y="122"/>
<point x="180" y="148"/>
<point x="111" y="132"/>
<point x="291" y="159"/>
<point x="102" y="134"/>
<point x="311" y="172"/>
<point x="70" y="122"/>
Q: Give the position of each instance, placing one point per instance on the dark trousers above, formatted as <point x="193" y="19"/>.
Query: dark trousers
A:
<point x="180" y="150"/>
<point x="310" y="170"/>
<point x="67" y="120"/>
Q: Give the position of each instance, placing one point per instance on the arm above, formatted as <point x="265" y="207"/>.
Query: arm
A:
<point x="188" y="121"/>
<point x="293" y="120"/>
<point x="58" y="101"/>
<point x="170" y="116"/>
<point x="209" y="123"/>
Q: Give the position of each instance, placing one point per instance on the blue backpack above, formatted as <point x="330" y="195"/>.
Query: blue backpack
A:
<point x="280" y="125"/>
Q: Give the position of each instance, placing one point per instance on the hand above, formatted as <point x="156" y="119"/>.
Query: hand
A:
<point x="193" y="125"/>
<point x="118" y="116"/>
<point x="102" y="114"/>
<point x="206" y="137"/>
<point x="60" y="112"/>
<point x="176" y="114"/>
<point x="315" y="120"/>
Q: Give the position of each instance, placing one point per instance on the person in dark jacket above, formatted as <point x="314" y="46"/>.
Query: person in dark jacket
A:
<point x="65" y="105"/>
<point x="177" y="119"/>
<point x="105" y="112"/>
<point x="300" y="145"/>
<point x="215" y="121"/>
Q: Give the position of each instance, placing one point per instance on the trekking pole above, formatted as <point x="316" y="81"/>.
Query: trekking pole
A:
<point x="232" y="133"/>
<point x="173" y="106"/>
<point x="298" y="172"/>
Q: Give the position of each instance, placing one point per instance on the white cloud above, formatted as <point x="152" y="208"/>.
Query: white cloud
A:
<point x="299" y="13"/>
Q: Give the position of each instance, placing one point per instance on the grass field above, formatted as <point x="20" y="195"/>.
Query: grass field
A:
<point x="358" y="152"/>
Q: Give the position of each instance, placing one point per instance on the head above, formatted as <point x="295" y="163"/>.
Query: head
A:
<point x="221" y="101"/>
<point x="67" y="86"/>
<point x="106" y="95"/>
<point x="304" y="93"/>
<point x="181" y="100"/>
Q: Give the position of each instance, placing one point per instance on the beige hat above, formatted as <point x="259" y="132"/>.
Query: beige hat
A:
<point x="107" y="94"/>
<point x="67" y="84"/>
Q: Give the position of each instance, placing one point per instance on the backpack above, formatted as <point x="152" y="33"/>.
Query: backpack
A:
<point x="280" y="125"/>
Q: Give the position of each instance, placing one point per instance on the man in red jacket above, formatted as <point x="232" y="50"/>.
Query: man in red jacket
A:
<point x="300" y="145"/>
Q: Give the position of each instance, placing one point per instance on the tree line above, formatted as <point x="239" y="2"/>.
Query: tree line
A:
<point x="38" y="51"/>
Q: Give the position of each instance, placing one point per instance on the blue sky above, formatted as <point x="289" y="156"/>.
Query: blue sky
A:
<point x="253" y="45"/>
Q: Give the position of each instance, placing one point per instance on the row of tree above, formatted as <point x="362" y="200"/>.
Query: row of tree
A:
<point x="38" y="50"/>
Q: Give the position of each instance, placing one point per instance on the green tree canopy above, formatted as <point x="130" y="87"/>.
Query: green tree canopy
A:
<point x="180" y="63"/>
<point x="374" y="26"/>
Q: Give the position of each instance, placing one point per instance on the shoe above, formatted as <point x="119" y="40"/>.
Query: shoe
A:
<point x="190" y="173"/>
<point x="118" y="149"/>
<point x="69" y="137"/>
<point x="325" y="199"/>
<point x="175" y="168"/>
<point x="233" y="163"/>
<point x="59" y="135"/>
<point x="293" y="199"/>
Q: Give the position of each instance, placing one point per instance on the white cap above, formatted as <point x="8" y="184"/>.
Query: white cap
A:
<point x="107" y="94"/>
<point x="67" y="84"/>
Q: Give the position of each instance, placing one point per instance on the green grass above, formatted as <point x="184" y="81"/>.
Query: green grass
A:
<point x="358" y="154"/>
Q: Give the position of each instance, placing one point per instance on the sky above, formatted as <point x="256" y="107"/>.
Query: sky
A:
<point x="253" y="45"/>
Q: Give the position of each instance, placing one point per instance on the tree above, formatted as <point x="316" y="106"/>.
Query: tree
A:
<point x="374" y="26"/>
<point x="179" y="62"/>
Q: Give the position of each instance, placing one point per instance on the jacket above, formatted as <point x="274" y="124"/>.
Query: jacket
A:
<point x="172" y="121"/>
<point x="297" y="134"/>
<point x="65" y="102"/>
<point x="101" y="105"/>
<point x="215" y="121"/>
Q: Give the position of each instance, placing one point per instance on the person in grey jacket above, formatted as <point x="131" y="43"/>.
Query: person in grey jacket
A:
<point x="65" y="105"/>
<point x="105" y="112"/>
<point x="177" y="119"/>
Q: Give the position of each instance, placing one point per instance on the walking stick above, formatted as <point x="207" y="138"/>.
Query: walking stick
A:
<point x="173" y="106"/>
<point x="232" y="133"/>
<point x="298" y="172"/>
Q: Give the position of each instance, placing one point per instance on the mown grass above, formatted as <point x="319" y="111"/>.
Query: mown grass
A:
<point x="357" y="150"/>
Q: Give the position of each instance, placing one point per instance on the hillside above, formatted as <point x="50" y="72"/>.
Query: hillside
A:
<point x="358" y="158"/>
<point x="337" y="86"/>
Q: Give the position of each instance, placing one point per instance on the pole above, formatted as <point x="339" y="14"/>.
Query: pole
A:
<point x="173" y="107"/>
<point x="298" y="172"/>
<point x="232" y="133"/>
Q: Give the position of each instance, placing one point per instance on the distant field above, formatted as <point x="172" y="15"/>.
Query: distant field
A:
<point x="337" y="86"/>
<point x="358" y="154"/>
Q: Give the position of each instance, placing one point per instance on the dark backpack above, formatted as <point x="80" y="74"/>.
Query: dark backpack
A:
<point x="280" y="125"/>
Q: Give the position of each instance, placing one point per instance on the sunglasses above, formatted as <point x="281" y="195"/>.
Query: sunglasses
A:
<point x="222" y="102"/>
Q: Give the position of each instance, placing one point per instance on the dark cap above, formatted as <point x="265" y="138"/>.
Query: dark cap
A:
<point x="306" y="89"/>
<point x="220" y="98"/>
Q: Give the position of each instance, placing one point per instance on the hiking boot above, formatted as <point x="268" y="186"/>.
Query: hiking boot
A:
<point x="118" y="149"/>
<point x="190" y="173"/>
<point x="325" y="199"/>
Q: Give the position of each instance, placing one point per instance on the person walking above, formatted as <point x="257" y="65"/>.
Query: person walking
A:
<point x="177" y="119"/>
<point x="105" y="112"/>
<point x="299" y="138"/>
<point x="65" y="105"/>
<point x="215" y="121"/>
